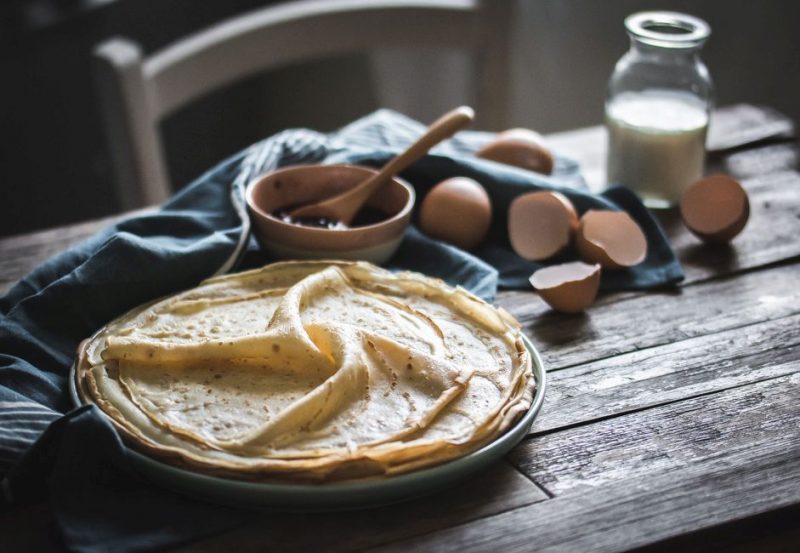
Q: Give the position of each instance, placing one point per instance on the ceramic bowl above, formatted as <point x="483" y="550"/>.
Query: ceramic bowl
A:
<point x="303" y="184"/>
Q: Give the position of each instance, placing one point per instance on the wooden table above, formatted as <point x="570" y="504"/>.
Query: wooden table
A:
<point x="672" y="419"/>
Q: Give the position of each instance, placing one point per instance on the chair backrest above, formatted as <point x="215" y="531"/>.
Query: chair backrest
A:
<point x="136" y="92"/>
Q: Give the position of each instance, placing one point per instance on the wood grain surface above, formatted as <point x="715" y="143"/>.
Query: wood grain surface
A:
<point x="671" y="422"/>
<point x="651" y="319"/>
<point x="621" y="516"/>
<point x="679" y="370"/>
<point x="497" y="490"/>
<point x="730" y="427"/>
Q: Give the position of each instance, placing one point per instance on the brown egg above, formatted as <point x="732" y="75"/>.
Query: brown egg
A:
<point x="457" y="210"/>
<point x="610" y="238"/>
<point x="541" y="224"/>
<point x="569" y="287"/>
<point x="521" y="148"/>
<point x="715" y="208"/>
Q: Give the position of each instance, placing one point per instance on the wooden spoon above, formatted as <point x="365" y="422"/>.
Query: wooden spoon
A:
<point x="344" y="207"/>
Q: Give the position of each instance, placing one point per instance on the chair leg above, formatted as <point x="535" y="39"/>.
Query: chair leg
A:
<point x="135" y="146"/>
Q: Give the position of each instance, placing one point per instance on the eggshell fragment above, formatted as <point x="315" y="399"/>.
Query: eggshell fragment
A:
<point x="541" y="224"/>
<point x="610" y="238"/>
<point x="715" y="208"/>
<point x="457" y="210"/>
<point x="569" y="287"/>
<point x="522" y="148"/>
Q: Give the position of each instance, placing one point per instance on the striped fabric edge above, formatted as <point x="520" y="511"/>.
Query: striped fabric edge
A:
<point x="21" y="424"/>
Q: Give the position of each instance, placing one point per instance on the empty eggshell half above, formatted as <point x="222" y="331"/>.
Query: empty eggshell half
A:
<point x="521" y="148"/>
<point x="457" y="210"/>
<point x="541" y="224"/>
<point x="611" y="238"/>
<point x="569" y="287"/>
<point x="715" y="208"/>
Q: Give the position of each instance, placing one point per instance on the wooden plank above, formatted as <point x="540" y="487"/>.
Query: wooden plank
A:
<point x="614" y="326"/>
<point x="736" y="126"/>
<point x="20" y="254"/>
<point x="760" y="161"/>
<point x="741" y="124"/>
<point x="773" y="532"/>
<point x="685" y="467"/>
<point x="769" y="237"/>
<point x="620" y="518"/>
<point x="732" y="426"/>
<point x="587" y="147"/>
<point x="671" y="372"/>
<point x="499" y="489"/>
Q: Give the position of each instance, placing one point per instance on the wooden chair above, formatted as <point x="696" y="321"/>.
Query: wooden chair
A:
<point x="136" y="92"/>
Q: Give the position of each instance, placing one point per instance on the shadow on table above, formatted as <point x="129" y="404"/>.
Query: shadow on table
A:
<point x="774" y="532"/>
<point x="719" y="257"/>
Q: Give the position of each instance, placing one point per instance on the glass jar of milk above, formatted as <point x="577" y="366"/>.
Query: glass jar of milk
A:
<point x="658" y="106"/>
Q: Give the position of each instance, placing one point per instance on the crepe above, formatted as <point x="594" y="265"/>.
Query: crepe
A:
<point x="310" y="371"/>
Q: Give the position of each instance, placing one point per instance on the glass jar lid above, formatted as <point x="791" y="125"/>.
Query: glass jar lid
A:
<point x="667" y="29"/>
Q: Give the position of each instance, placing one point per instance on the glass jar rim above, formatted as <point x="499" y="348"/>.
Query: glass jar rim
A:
<point x="667" y="29"/>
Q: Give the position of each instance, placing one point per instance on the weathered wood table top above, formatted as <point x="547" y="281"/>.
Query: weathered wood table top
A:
<point x="672" y="418"/>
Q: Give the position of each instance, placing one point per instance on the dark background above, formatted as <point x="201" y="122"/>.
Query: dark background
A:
<point x="53" y="161"/>
<point x="54" y="168"/>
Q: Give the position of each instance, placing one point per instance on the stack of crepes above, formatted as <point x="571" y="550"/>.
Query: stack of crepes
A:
<point x="310" y="371"/>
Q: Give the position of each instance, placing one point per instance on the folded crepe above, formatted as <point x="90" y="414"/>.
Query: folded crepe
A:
<point x="310" y="371"/>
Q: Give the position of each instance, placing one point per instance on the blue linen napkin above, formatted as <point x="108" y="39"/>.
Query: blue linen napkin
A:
<point x="49" y="449"/>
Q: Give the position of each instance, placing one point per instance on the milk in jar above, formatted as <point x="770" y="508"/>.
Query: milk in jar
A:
<point x="657" y="107"/>
<point x="656" y="143"/>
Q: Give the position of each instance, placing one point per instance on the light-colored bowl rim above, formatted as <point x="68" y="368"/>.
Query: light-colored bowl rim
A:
<point x="403" y="213"/>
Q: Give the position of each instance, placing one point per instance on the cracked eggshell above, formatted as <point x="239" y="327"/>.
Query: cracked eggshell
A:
<point x="569" y="287"/>
<point x="457" y="210"/>
<point x="521" y="148"/>
<point x="541" y="224"/>
<point x="715" y="208"/>
<point x="611" y="238"/>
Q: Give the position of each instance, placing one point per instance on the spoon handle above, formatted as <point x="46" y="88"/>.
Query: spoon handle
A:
<point x="345" y="206"/>
<point x="444" y="127"/>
